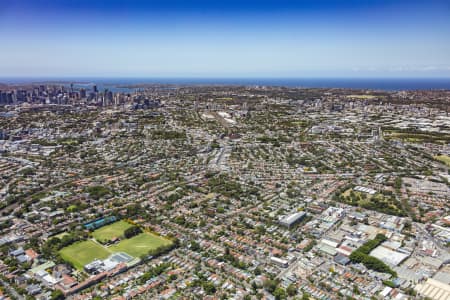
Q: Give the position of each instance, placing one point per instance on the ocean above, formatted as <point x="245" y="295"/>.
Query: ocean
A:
<point x="390" y="84"/>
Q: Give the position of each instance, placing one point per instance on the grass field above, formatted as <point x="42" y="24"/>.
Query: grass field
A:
<point x="140" y="244"/>
<point x="444" y="158"/>
<point x="83" y="253"/>
<point x="110" y="231"/>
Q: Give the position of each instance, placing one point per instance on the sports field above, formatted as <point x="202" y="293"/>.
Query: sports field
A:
<point x="140" y="244"/>
<point x="114" y="230"/>
<point x="83" y="253"/>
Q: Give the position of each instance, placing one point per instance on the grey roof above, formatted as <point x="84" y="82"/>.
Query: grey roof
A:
<point x="22" y="258"/>
<point x="341" y="259"/>
<point x="17" y="252"/>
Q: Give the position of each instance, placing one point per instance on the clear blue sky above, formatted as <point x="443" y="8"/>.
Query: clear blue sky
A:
<point x="224" y="38"/>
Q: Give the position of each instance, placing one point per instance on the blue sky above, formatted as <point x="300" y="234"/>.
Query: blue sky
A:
<point x="133" y="38"/>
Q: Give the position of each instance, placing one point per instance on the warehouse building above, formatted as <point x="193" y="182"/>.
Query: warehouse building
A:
<point x="290" y="220"/>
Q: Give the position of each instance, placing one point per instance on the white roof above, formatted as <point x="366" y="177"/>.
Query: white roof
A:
<point x="386" y="291"/>
<point x="434" y="289"/>
<point x="292" y="218"/>
<point x="50" y="279"/>
<point x="330" y="242"/>
<point x="41" y="273"/>
<point x="388" y="256"/>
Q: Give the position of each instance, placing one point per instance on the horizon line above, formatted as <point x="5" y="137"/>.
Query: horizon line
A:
<point x="219" y="77"/>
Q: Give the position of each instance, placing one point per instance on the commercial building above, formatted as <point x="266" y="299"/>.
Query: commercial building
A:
<point x="279" y="262"/>
<point x="290" y="220"/>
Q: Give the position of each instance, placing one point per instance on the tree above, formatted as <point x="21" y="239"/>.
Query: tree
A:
<point x="132" y="231"/>
<point x="361" y="255"/>
<point x="96" y="192"/>
<point x="57" y="295"/>
<point x="270" y="285"/>
<point x="195" y="246"/>
<point x="291" y="290"/>
<point x="279" y="293"/>
<point x="209" y="288"/>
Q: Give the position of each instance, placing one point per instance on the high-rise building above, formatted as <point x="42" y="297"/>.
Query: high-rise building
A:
<point x="109" y="96"/>
<point x="82" y="93"/>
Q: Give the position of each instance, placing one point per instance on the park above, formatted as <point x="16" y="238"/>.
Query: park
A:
<point x="81" y="253"/>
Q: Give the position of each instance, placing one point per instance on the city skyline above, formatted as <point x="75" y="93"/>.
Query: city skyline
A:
<point x="202" y="39"/>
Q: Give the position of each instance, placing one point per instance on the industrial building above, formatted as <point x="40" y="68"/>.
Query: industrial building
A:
<point x="290" y="220"/>
<point x="279" y="262"/>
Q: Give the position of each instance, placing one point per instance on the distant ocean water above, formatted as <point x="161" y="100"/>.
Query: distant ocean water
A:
<point x="391" y="84"/>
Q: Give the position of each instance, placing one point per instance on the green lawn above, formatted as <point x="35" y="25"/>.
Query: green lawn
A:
<point x="110" y="231"/>
<point x="140" y="244"/>
<point x="444" y="158"/>
<point x="83" y="253"/>
<point x="60" y="235"/>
